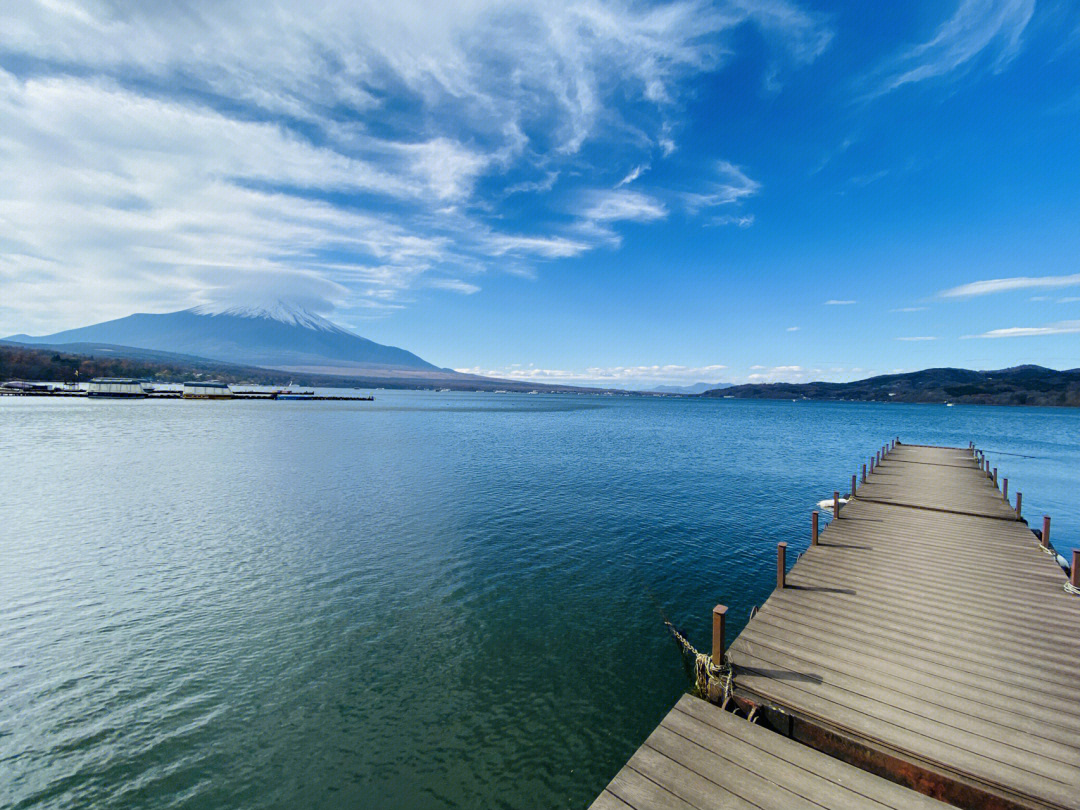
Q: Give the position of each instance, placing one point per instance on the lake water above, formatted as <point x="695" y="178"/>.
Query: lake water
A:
<point x="429" y="601"/>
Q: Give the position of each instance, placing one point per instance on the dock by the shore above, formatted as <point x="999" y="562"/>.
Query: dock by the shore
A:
<point x="268" y="395"/>
<point x="927" y="644"/>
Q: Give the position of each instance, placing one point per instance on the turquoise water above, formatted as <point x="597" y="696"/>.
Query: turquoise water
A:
<point x="429" y="601"/>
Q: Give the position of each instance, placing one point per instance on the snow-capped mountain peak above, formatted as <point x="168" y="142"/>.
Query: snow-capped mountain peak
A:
<point x="279" y="334"/>
<point x="283" y="311"/>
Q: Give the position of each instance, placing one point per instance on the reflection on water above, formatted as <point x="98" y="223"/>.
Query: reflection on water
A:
<point x="432" y="600"/>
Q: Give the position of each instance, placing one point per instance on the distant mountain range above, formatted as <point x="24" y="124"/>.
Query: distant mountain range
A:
<point x="696" y="388"/>
<point x="1021" y="385"/>
<point x="280" y="336"/>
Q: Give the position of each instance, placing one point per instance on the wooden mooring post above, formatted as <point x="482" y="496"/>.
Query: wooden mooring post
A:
<point x="718" y="614"/>
<point x="835" y="504"/>
<point x="864" y="473"/>
<point x="1046" y="532"/>
<point x="813" y="527"/>
<point x="1005" y="488"/>
<point x="781" y="564"/>
<point x="1019" y="499"/>
<point x="854" y="479"/>
<point x="1074" y="572"/>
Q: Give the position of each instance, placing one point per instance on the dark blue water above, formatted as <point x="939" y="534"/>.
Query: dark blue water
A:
<point x="430" y="601"/>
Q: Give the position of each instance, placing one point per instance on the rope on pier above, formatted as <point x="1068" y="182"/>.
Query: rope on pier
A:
<point x="711" y="682"/>
<point x="1070" y="588"/>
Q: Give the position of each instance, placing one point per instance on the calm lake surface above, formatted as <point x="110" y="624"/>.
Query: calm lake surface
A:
<point x="429" y="601"/>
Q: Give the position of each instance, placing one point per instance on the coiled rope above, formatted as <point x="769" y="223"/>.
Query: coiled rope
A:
<point x="711" y="682"/>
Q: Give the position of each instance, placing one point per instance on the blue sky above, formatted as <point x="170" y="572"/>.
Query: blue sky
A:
<point x="620" y="193"/>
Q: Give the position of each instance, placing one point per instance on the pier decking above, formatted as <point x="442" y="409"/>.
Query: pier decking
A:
<point x="701" y="757"/>
<point x="926" y="638"/>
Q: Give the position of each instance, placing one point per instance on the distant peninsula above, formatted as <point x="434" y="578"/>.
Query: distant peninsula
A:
<point x="1020" y="385"/>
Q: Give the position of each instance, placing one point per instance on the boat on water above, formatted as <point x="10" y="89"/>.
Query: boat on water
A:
<point x="294" y="395"/>
<point x="117" y="388"/>
<point x="210" y="389"/>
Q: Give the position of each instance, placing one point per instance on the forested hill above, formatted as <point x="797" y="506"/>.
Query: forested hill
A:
<point x="1022" y="385"/>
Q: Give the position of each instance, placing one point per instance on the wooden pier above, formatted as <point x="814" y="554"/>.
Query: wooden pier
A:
<point x="926" y="640"/>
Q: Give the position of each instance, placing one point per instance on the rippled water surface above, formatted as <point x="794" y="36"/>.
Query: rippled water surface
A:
<point x="429" y="601"/>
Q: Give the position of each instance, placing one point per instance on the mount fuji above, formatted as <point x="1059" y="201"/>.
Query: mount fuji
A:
<point x="280" y="335"/>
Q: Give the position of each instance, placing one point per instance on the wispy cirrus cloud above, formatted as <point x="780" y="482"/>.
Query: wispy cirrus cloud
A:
<point x="362" y="149"/>
<point x="916" y="339"/>
<point x="731" y="186"/>
<point x="623" y="205"/>
<point x="633" y="175"/>
<point x="999" y="285"/>
<point x="1059" y="328"/>
<point x="985" y="32"/>
<point x="744" y="221"/>
<point x="839" y="302"/>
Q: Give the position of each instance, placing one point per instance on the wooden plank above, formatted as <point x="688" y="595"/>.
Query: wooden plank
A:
<point x="968" y="646"/>
<point x="1004" y="606"/>
<point x="1017" y="731"/>
<point x="969" y="676"/>
<point x="919" y="605"/>
<point x="609" y="801"/>
<point x="776" y="684"/>
<point x="761" y="775"/>
<point x="747" y="785"/>
<point x="704" y="758"/>
<point x="679" y="772"/>
<point x="912" y="677"/>
<point x="642" y="793"/>
<point x="892" y="708"/>
<point x="761" y="739"/>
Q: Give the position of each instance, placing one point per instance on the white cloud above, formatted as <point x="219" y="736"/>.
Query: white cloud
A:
<point x="614" y="376"/>
<point x="770" y="374"/>
<point x="793" y="328"/>
<point x="728" y="219"/>
<point x="908" y="309"/>
<point x="623" y="205"/>
<point x="633" y="175"/>
<point x="1069" y="299"/>
<point x="454" y="284"/>
<point x="551" y="247"/>
<point x="997" y="285"/>
<point x="731" y="186"/>
<point x="1059" y="328"/>
<point x="157" y="154"/>
<point x="980" y="31"/>
<point x="835" y="302"/>
<point x="916" y="339"/>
